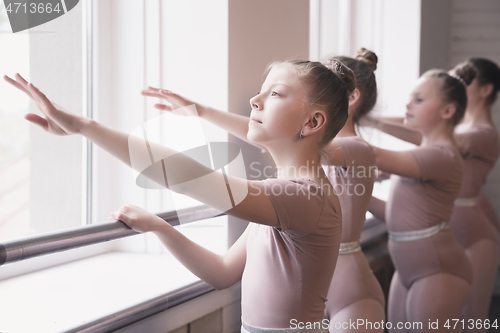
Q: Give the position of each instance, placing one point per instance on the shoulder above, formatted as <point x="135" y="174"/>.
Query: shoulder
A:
<point x="299" y="203"/>
<point x="438" y="161"/>
<point x="436" y="150"/>
<point x="356" y="151"/>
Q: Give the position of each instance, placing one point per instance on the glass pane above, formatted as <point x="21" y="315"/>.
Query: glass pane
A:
<point x="14" y="135"/>
<point x="40" y="173"/>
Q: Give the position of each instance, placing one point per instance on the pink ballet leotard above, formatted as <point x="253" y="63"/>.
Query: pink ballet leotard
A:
<point x="470" y="224"/>
<point x="489" y="211"/>
<point x="288" y="269"/>
<point x="416" y="204"/>
<point x="353" y="279"/>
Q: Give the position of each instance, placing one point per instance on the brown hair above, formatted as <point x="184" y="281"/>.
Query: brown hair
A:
<point x="487" y="72"/>
<point x="453" y="88"/>
<point x="329" y="87"/>
<point x="363" y="65"/>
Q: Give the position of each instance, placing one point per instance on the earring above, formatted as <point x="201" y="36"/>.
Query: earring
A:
<point x="302" y="135"/>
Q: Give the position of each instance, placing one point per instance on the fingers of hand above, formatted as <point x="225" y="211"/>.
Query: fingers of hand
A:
<point x="17" y="85"/>
<point x="163" y="107"/>
<point x="40" y="95"/>
<point x="120" y="216"/>
<point x="37" y="120"/>
<point x="151" y="93"/>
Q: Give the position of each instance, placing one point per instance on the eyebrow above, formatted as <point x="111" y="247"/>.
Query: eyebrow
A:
<point x="276" y="84"/>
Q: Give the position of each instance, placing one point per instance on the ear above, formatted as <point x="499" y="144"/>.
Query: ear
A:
<point x="355" y="97"/>
<point x="448" y="111"/>
<point x="316" y="122"/>
<point x="486" y="90"/>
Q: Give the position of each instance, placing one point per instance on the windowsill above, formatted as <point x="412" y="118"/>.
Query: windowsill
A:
<point x="65" y="296"/>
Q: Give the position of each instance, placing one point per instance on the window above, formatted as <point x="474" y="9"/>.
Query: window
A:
<point x="391" y="29"/>
<point x="126" y="55"/>
<point x="161" y="44"/>
<point x="14" y="137"/>
<point x="100" y="61"/>
<point x="34" y="164"/>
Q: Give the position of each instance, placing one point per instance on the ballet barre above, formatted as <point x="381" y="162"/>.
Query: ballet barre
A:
<point x="39" y="245"/>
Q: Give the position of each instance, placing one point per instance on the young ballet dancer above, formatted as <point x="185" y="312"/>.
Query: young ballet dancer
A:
<point x="474" y="220"/>
<point x="286" y="258"/>
<point x="433" y="275"/>
<point x="354" y="291"/>
<point x="479" y="145"/>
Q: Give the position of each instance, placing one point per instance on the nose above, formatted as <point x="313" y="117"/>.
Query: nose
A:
<point x="255" y="103"/>
<point x="408" y="105"/>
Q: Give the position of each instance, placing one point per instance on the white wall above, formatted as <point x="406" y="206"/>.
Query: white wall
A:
<point x="260" y="32"/>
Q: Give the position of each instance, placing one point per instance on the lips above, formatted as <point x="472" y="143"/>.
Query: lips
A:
<point x="408" y="115"/>
<point x="255" y="120"/>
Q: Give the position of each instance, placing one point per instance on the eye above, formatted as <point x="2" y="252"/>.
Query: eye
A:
<point x="418" y="100"/>
<point x="274" y="93"/>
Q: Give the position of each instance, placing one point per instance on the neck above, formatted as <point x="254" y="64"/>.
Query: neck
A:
<point x="443" y="134"/>
<point x="303" y="164"/>
<point x="348" y="129"/>
<point x="478" y="114"/>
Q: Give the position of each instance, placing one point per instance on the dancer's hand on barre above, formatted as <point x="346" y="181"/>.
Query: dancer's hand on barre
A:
<point x="175" y="103"/>
<point x="137" y="218"/>
<point x="57" y="120"/>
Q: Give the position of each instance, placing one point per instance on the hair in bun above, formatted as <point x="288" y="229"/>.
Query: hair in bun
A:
<point x="343" y="72"/>
<point x="329" y="87"/>
<point x="487" y="72"/>
<point x="368" y="57"/>
<point x="453" y="90"/>
<point x="363" y="65"/>
<point x="465" y="72"/>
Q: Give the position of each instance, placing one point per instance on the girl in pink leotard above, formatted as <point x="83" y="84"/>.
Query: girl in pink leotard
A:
<point x="433" y="275"/>
<point x="354" y="291"/>
<point x="474" y="220"/>
<point x="287" y="257"/>
<point x="479" y="145"/>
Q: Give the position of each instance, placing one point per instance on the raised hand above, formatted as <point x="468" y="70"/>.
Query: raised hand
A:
<point x="175" y="103"/>
<point x="57" y="120"/>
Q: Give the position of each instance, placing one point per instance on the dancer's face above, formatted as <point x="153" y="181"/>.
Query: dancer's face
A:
<point x="423" y="110"/>
<point x="278" y="110"/>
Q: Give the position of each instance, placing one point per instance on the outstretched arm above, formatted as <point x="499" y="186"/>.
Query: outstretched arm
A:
<point x="396" y="162"/>
<point x="219" y="271"/>
<point x="235" y="124"/>
<point x="394" y="126"/>
<point x="182" y="171"/>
